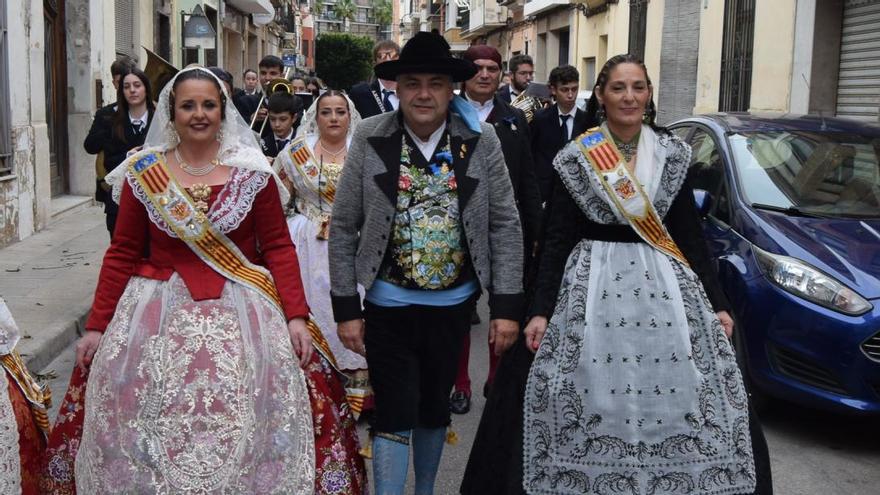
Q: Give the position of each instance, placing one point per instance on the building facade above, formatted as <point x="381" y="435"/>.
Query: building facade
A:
<point x="55" y="58"/>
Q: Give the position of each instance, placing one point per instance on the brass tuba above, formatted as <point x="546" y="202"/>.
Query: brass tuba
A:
<point x="531" y="100"/>
<point x="159" y="71"/>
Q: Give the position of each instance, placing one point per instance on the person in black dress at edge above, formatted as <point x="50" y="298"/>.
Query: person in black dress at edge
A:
<point x="513" y="131"/>
<point x="115" y="134"/>
<point x="380" y="96"/>
<point x="555" y="125"/>
<point x="583" y="227"/>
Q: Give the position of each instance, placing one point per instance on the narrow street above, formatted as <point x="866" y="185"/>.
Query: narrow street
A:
<point x="812" y="452"/>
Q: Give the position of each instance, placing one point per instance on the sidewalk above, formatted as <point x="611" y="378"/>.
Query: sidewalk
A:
<point x="48" y="280"/>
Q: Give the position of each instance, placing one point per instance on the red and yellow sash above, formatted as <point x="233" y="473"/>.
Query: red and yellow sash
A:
<point x="625" y="191"/>
<point x="39" y="398"/>
<point x="176" y="208"/>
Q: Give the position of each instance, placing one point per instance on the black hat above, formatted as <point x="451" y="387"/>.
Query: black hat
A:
<point x="427" y="53"/>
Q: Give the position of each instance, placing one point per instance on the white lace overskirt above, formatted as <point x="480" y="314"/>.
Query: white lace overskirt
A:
<point x="195" y="397"/>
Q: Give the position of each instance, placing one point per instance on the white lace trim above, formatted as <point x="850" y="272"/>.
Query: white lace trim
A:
<point x="10" y="462"/>
<point x="232" y="206"/>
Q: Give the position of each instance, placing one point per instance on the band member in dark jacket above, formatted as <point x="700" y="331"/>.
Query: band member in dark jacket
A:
<point x="548" y="134"/>
<point x="512" y="129"/>
<point x="522" y="70"/>
<point x="115" y="134"/>
<point x="379" y="96"/>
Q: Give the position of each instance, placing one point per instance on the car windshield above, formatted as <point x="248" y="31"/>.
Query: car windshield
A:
<point x="820" y="173"/>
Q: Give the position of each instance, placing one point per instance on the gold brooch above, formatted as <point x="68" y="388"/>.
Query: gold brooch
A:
<point x="200" y="194"/>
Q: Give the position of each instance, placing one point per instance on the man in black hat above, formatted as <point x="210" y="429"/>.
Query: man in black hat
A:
<point x="424" y="218"/>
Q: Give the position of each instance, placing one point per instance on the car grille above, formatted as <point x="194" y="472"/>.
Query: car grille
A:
<point x="871" y="347"/>
<point x="800" y="368"/>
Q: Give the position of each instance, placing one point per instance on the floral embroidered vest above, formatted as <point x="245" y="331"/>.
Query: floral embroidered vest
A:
<point x="427" y="248"/>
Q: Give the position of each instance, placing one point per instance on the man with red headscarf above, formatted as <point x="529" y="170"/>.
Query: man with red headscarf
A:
<point x="512" y="129"/>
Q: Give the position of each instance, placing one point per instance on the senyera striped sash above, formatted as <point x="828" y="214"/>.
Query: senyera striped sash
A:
<point x="625" y="191"/>
<point x="175" y="206"/>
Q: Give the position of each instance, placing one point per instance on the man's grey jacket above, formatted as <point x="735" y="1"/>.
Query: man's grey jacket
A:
<point x="365" y="204"/>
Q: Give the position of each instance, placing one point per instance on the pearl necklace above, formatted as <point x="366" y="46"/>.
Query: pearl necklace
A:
<point x="331" y="153"/>
<point x="195" y="171"/>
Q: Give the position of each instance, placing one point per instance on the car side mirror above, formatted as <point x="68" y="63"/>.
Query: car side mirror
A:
<point x="703" y="200"/>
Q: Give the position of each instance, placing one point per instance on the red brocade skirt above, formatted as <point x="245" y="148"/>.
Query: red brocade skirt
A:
<point x="31" y="442"/>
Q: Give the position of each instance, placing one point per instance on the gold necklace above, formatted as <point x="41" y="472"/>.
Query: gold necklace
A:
<point x="195" y="171"/>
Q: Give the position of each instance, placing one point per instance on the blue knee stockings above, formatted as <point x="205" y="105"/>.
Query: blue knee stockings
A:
<point x="391" y="460"/>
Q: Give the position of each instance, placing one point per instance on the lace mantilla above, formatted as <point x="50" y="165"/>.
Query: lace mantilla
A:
<point x="231" y="207"/>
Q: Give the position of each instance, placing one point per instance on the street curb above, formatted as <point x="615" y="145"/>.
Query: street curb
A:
<point x="61" y="335"/>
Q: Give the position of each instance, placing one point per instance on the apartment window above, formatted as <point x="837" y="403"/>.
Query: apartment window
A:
<point x="5" y="130"/>
<point x="638" y="25"/>
<point x="736" y="55"/>
<point x="125" y="28"/>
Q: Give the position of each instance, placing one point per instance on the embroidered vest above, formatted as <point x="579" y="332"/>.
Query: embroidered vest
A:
<point x="427" y="249"/>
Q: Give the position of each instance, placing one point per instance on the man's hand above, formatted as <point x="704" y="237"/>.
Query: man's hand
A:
<point x="726" y="322"/>
<point x="86" y="348"/>
<point x="262" y="113"/>
<point x="301" y="340"/>
<point x="502" y="333"/>
<point x="535" y="330"/>
<point x="351" y="334"/>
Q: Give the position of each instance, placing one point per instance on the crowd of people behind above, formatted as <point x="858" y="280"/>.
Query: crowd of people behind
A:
<point x="286" y="264"/>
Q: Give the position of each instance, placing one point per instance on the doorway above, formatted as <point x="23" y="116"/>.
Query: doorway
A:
<point x="55" y="61"/>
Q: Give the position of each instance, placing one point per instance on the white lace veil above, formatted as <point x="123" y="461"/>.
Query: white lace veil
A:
<point x="238" y="144"/>
<point x="308" y="126"/>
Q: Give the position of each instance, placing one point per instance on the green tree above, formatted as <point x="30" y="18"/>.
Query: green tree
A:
<point x="382" y="13"/>
<point x="345" y="11"/>
<point x="342" y="59"/>
<point x="319" y="7"/>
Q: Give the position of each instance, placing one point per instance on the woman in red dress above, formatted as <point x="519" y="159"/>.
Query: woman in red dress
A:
<point x="198" y="329"/>
<point x="23" y="420"/>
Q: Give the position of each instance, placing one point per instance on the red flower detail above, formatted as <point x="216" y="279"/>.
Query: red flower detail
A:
<point x="404" y="183"/>
<point x="452" y="184"/>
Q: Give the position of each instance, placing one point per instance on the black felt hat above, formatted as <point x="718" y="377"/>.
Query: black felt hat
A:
<point x="427" y="53"/>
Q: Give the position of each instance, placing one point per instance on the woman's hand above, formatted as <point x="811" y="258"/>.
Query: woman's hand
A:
<point x="301" y="340"/>
<point x="86" y="348"/>
<point x="726" y="322"/>
<point x="133" y="151"/>
<point x="502" y="334"/>
<point x="535" y="330"/>
<point x="351" y="334"/>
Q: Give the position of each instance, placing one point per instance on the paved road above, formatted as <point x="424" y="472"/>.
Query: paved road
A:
<point x="812" y="453"/>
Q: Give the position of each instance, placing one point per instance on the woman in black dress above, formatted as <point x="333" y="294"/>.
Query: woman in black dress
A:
<point x="584" y="433"/>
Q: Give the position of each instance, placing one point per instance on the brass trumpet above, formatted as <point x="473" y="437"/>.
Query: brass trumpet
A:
<point x="279" y="84"/>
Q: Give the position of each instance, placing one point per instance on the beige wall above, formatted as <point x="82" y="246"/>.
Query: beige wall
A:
<point x="772" y="55"/>
<point x="601" y="36"/>
<point x="653" y="44"/>
<point x="709" y="64"/>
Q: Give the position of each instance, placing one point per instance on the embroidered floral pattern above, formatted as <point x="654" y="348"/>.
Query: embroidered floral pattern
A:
<point x="175" y="391"/>
<point x="426" y="241"/>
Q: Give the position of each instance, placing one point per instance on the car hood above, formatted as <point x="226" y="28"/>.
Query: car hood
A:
<point x="846" y="248"/>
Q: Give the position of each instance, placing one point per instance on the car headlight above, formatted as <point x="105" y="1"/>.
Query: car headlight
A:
<point x="803" y="280"/>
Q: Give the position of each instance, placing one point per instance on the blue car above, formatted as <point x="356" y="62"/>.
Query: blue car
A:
<point x="791" y="209"/>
